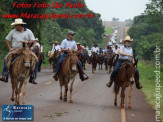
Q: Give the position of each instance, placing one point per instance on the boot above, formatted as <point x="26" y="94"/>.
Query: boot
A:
<point x="56" y="76"/>
<point x="4" y="79"/>
<point x="32" y="80"/>
<point x="110" y="83"/>
<point x="138" y="84"/>
<point x="83" y="76"/>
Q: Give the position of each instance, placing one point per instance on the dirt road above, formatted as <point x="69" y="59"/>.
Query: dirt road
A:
<point x="93" y="101"/>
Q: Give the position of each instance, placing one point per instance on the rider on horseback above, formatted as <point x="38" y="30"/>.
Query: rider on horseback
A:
<point x="125" y="54"/>
<point x="108" y="51"/>
<point x="66" y="45"/>
<point x="56" y="47"/>
<point x="17" y="36"/>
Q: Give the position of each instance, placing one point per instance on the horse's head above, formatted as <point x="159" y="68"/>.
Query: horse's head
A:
<point x="129" y="71"/>
<point x="27" y="57"/>
<point x="73" y="61"/>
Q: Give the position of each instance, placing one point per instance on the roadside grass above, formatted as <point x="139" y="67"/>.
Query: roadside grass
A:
<point x="104" y="40"/>
<point x="108" y="30"/>
<point x="147" y="78"/>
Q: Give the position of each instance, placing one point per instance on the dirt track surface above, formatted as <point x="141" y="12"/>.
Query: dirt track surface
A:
<point x="93" y="101"/>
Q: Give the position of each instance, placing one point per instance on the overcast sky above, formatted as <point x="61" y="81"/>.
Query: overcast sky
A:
<point x="122" y="9"/>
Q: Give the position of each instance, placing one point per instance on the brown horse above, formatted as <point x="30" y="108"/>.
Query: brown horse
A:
<point x="20" y="71"/>
<point x="39" y="55"/>
<point x="108" y="64"/>
<point x="68" y="73"/>
<point x="41" y="60"/>
<point x="94" y="61"/>
<point x="83" y="59"/>
<point x="55" y="59"/>
<point x="125" y="78"/>
<point x="100" y="60"/>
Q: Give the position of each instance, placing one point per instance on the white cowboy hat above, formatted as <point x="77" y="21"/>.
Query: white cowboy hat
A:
<point x="36" y="39"/>
<point x="18" y="21"/>
<point x="78" y="43"/>
<point x="127" y="38"/>
<point x="56" y="42"/>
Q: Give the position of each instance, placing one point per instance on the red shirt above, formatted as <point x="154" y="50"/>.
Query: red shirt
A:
<point x="79" y="47"/>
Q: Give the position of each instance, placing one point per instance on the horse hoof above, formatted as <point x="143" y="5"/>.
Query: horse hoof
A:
<point x="70" y="101"/>
<point x="65" y="99"/>
<point x="60" y="98"/>
<point x="129" y="107"/>
<point x="115" y="104"/>
<point x="12" y="99"/>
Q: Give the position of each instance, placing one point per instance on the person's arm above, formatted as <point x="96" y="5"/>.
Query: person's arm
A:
<point x="124" y="54"/>
<point x="9" y="46"/>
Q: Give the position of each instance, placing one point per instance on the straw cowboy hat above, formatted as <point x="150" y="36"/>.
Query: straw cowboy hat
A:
<point x="127" y="38"/>
<point x="56" y="42"/>
<point x="18" y="21"/>
<point x="36" y="39"/>
<point x="78" y="43"/>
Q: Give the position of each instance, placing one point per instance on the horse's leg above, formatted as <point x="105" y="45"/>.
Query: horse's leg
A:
<point x="13" y="90"/>
<point x="66" y="89"/>
<point x="61" y="88"/>
<point x="71" y="89"/>
<point x="24" y="91"/>
<point x="115" y="100"/>
<point x="19" y="90"/>
<point x="92" y="68"/>
<point x="122" y="97"/>
<point x="16" y="94"/>
<point x="129" y="95"/>
<point x="107" y="68"/>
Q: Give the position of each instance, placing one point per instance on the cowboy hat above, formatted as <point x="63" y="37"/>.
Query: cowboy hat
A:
<point x="56" y="42"/>
<point x="36" y="39"/>
<point x="18" y="21"/>
<point x="127" y="38"/>
<point x="78" y="43"/>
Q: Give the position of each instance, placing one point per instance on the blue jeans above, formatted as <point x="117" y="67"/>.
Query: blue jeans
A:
<point x="5" y="70"/>
<point x="62" y="58"/>
<point x="116" y="68"/>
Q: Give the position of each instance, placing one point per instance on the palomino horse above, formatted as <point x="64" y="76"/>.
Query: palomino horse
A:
<point x="20" y="71"/>
<point x="55" y="59"/>
<point x="108" y="64"/>
<point x="125" y="78"/>
<point x="68" y="73"/>
<point x="100" y="60"/>
<point x="94" y="61"/>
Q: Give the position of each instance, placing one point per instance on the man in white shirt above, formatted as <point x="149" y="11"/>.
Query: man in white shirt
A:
<point x="95" y="48"/>
<point x="56" y="47"/>
<point x="116" y="50"/>
<point x="69" y="44"/>
<point x="16" y="37"/>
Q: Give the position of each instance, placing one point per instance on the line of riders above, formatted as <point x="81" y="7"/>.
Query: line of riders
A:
<point x="21" y="35"/>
